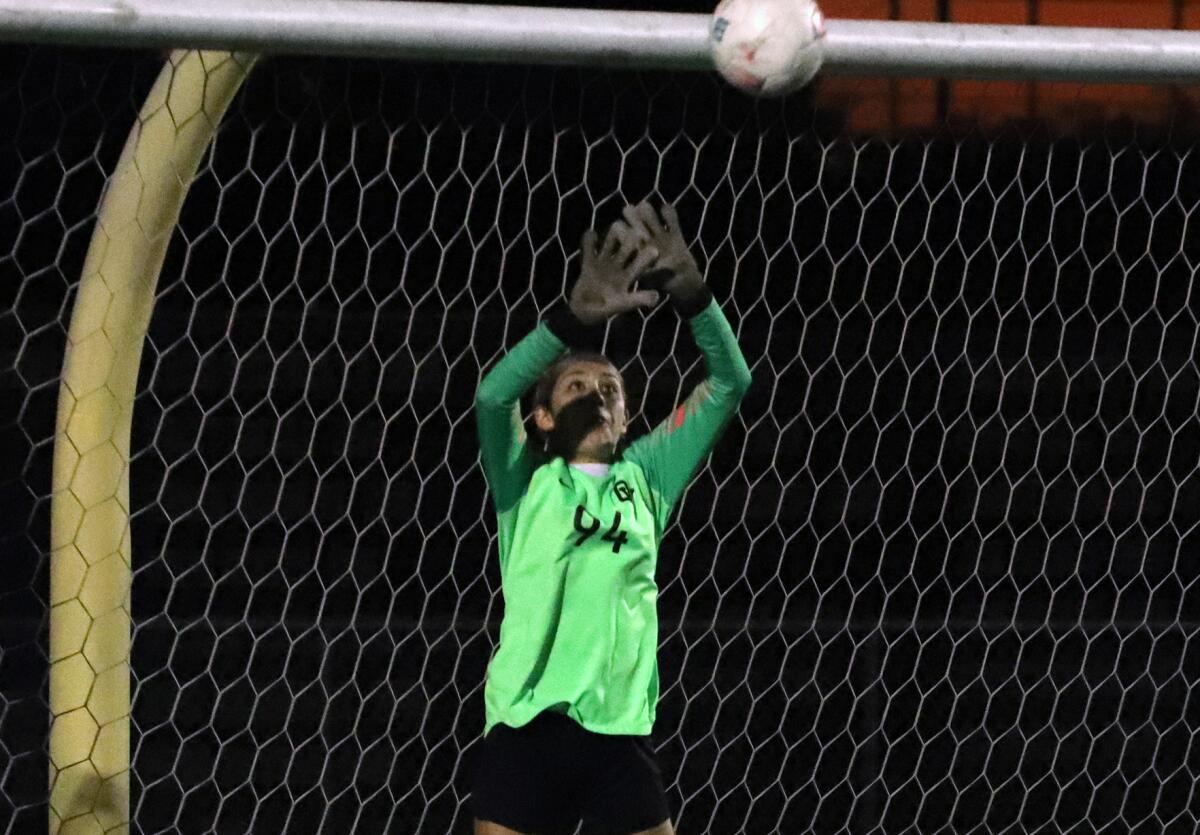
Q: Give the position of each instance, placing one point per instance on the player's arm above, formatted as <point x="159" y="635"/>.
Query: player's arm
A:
<point x="601" y="292"/>
<point x="673" y="451"/>
<point x="504" y="450"/>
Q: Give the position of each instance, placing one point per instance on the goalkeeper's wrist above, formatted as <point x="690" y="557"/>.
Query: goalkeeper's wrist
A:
<point x="689" y="296"/>
<point x="572" y="332"/>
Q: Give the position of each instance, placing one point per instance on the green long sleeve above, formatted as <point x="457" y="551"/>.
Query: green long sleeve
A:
<point x="508" y="461"/>
<point x="670" y="454"/>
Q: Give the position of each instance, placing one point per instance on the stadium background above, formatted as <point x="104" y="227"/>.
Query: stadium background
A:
<point x="936" y="574"/>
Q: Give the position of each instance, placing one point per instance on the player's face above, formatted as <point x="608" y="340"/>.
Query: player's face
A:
<point x="584" y="378"/>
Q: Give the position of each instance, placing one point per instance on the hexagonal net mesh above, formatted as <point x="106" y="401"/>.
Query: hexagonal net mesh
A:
<point x="939" y="574"/>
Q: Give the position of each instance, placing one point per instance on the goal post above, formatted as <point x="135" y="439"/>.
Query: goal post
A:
<point x="659" y="40"/>
<point x="865" y="376"/>
<point x="90" y="545"/>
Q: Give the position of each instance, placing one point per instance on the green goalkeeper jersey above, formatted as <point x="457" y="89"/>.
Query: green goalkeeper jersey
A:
<point x="578" y="551"/>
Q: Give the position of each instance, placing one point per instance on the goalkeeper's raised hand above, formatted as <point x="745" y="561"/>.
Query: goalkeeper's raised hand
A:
<point x="686" y="283"/>
<point x="606" y="275"/>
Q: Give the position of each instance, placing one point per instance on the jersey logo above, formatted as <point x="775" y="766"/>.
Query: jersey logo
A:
<point x="623" y="491"/>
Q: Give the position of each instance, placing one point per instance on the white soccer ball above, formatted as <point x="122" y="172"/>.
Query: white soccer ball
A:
<point x="767" y="47"/>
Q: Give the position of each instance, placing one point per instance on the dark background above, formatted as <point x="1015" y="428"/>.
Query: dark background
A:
<point x="940" y="572"/>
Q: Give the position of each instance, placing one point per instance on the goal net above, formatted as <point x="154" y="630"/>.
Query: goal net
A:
<point x="939" y="574"/>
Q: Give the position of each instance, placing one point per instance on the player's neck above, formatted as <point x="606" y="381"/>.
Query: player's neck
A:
<point x="599" y="454"/>
<point x="593" y="456"/>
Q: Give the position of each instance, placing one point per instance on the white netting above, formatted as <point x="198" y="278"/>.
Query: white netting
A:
<point x="939" y="575"/>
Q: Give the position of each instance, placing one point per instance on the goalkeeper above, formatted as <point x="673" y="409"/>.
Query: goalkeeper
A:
<point x="571" y="691"/>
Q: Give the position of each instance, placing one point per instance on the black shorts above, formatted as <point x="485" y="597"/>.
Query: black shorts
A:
<point x="543" y="777"/>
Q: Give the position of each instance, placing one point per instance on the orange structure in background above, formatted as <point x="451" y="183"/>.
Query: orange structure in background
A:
<point x="883" y="105"/>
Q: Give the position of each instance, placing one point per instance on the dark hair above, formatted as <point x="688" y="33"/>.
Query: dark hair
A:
<point x="545" y="385"/>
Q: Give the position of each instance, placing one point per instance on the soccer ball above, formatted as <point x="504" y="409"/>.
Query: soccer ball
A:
<point x="767" y="47"/>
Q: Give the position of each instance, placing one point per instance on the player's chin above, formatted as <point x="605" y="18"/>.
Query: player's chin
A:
<point x="600" y="442"/>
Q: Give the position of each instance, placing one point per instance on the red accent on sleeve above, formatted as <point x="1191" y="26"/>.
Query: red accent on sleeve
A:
<point x="678" y="422"/>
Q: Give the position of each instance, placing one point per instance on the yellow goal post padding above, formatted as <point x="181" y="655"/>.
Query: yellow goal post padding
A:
<point x="90" y="549"/>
